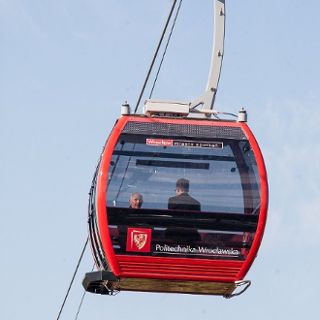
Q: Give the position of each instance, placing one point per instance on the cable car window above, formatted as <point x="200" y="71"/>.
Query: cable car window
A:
<point x="223" y="174"/>
<point x="223" y="177"/>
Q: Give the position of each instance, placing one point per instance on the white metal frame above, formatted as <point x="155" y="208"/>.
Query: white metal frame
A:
<point x="203" y="104"/>
<point x="207" y="99"/>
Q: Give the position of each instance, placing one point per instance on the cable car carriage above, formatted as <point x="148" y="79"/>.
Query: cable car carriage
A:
<point x="201" y="193"/>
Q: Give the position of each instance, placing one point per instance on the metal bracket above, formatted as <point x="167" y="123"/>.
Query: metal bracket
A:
<point x="207" y="99"/>
<point x="242" y="283"/>
<point x="100" y="282"/>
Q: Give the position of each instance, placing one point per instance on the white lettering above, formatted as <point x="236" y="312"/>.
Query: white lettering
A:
<point x="200" y="250"/>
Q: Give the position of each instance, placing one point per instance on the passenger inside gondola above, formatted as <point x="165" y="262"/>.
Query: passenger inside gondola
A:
<point x="182" y="200"/>
<point x="136" y="200"/>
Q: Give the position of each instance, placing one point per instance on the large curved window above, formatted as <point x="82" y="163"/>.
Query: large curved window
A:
<point x="222" y="173"/>
<point x="223" y="178"/>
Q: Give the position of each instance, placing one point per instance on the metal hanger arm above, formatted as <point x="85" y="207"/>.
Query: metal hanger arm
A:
<point x="207" y="99"/>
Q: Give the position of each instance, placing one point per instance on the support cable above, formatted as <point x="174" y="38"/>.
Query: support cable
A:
<point x="80" y="305"/>
<point x="74" y="275"/>
<point x="165" y="50"/>
<point x="155" y="55"/>
<point x="82" y="298"/>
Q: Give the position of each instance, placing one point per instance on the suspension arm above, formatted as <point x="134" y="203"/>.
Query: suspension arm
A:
<point x="207" y="99"/>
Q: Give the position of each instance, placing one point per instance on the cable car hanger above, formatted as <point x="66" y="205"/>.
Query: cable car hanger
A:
<point x="208" y="98"/>
<point x="204" y="104"/>
<point x="178" y="244"/>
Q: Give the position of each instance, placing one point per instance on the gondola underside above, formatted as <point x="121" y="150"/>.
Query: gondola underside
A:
<point x="105" y="283"/>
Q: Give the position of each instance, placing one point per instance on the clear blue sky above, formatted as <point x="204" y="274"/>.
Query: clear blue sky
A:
<point x="65" y="69"/>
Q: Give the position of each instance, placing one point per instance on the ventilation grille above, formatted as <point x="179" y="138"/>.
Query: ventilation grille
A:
<point x="222" y="271"/>
<point x="186" y="130"/>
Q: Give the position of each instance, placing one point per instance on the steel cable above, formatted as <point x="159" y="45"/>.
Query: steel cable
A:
<point x="165" y="50"/>
<point x="81" y="301"/>
<point x="74" y="275"/>
<point x="155" y="56"/>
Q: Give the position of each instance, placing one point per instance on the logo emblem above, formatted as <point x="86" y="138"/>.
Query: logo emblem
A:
<point x="138" y="240"/>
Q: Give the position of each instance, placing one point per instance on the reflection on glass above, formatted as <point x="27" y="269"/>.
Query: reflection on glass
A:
<point x="223" y="174"/>
<point x="223" y="178"/>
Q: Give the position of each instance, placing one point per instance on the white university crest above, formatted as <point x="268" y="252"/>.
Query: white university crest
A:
<point x="139" y="239"/>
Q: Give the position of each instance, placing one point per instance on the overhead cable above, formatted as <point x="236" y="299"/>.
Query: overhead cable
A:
<point x="74" y="275"/>
<point x="155" y="56"/>
<point x="165" y="50"/>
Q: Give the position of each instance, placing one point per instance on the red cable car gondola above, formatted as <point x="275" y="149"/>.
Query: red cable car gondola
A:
<point x="174" y="243"/>
<point x="177" y="250"/>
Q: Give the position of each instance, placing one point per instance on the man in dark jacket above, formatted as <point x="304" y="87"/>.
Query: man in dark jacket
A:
<point x="182" y="200"/>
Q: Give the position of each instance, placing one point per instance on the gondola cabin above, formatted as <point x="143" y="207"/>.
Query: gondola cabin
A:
<point x="203" y="195"/>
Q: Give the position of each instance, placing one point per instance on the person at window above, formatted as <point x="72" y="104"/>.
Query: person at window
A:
<point x="136" y="200"/>
<point x="182" y="200"/>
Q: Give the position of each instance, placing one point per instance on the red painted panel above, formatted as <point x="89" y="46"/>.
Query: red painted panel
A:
<point x="179" y="269"/>
<point x="138" y="239"/>
<point x="101" y="194"/>
<point x="263" y="205"/>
